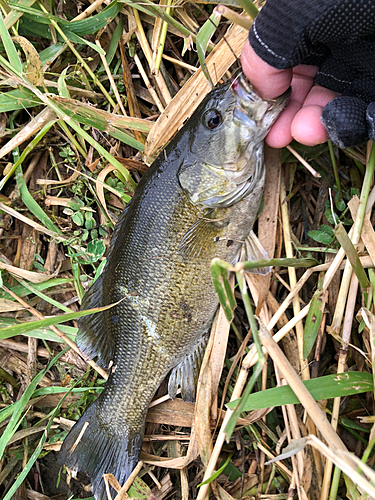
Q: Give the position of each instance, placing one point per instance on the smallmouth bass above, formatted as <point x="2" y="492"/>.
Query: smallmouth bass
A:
<point x="198" y="201"/>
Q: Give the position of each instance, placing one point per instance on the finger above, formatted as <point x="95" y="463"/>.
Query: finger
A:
<point x="307" y="127"/>
<point x="267" y="81"/>
<point x="280" y="134"/>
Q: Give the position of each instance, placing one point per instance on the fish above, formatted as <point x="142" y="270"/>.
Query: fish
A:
<point x="198" y="200"/>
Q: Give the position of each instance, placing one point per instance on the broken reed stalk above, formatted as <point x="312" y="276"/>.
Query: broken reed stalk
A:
<point x="156" y="36"/>
<point x="234" y="17"/>
<point x="162" y="37"/>
<point x="292" y="276"/>
<point x="58" y="332"/>
<point x="183" y="64"/>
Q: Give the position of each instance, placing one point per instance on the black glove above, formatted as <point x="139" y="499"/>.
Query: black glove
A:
<point x="339" y="37"/>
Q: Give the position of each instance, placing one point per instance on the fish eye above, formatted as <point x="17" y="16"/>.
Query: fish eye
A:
<point x="212" y="119"/>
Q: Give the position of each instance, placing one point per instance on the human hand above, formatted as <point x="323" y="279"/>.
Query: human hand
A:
<point x="301" y="119"/>
<point x="312" y="42"/>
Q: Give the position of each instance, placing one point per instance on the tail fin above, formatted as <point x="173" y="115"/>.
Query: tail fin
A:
<point x="97" y="449"/>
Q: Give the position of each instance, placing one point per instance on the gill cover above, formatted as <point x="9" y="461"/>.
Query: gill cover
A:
<point x="226" y="149"/>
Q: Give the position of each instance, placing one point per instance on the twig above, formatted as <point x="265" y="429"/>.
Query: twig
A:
<point x="304" y="162"/>
<point x="124" y="488"/>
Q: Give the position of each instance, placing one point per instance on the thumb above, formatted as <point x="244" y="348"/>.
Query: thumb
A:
<point x="269" y="82"/>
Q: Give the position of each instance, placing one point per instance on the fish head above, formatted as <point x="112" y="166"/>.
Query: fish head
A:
<point x="226" y="143"/>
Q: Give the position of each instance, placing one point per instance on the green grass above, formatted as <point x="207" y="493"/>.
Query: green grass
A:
<point x="64" y="184"/>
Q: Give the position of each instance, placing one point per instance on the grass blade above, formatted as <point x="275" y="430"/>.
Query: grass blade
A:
<point x="20" y="405"/>
<point x="283" y="262"/>
<point x="42" y="440"/>
<point x="327" y="387"/>
<point x="352" y="255"/>
<point x="219" y="275"/>
<point x="10" y="49"/>
<point x="203" y="39"/>
<point x="19" y="329"/>
<point x="314" y="318"/>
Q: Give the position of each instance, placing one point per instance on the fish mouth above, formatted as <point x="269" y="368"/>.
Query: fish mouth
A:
<point x="280" y="102"/>
<point x="262" y="111"/>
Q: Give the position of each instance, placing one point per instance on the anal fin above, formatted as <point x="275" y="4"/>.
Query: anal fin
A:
<point x="186" y="373"/>
<point x="252" y="249"/>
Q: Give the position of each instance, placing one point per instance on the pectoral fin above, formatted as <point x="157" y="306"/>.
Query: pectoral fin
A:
<point x="252" y="249"/>
<point x="185" y="374"/>
<point x="200" y="234"/>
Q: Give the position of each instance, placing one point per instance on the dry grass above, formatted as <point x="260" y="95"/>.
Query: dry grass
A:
<point x="70" y="163"/>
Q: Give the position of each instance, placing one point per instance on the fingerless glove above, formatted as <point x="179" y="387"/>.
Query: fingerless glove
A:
<point x="338" y="36"/>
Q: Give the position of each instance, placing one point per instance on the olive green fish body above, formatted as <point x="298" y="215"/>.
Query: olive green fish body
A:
<point x="185" y="212"/>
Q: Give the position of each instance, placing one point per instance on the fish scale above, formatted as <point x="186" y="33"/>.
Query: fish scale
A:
<point x="198" y="201"/>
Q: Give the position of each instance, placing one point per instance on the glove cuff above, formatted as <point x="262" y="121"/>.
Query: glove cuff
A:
<point x="279" y="33"/>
